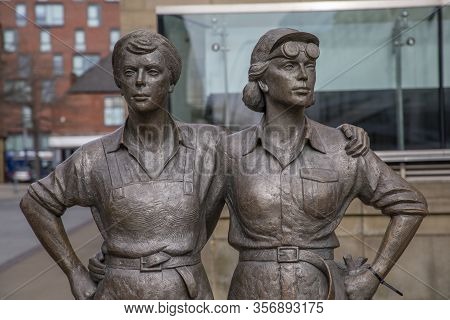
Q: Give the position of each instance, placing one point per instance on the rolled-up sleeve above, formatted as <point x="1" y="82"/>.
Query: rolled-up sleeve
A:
<point x="66" y="186"/>
<point x="382" y="188"/>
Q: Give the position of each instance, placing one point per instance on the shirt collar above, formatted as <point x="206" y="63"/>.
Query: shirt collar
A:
<point x="182" y="135"/>
<point x="255" y="137"/>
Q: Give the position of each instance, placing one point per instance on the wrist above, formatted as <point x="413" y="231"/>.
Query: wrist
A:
<point x="74" y="270"/>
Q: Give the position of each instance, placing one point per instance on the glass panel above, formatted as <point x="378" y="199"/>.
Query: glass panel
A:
<point x="358" y="80"/>
<point x="46" y="44"/>
<point x="24" y="65"/>
<point x="446" y="68"/>
<point x="114" y="112"/>
<point x="93" y="15"/>
<point x="47" y="91"/>
<point x="17" y="90"/>
<point x="27" y="121"/>
<point x="10" y="40"/>
<point x="114" y="36"/>
<point x="21" y="15"/>
<point x="58" y="65"/>
<point x="50" y="14"/>
<point x="80" y="42"/>
<point x="82" y="63"/>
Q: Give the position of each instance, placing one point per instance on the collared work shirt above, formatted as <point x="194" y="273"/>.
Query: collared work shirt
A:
<point x="302" y="203"/>
<point x="139" y="213"/>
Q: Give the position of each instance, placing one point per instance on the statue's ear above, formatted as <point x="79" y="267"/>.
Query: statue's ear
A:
<point x="171" y="87"/>
<point x="263" y="86"/>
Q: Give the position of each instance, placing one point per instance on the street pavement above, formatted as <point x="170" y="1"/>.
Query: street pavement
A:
<point x="26" y="270"/>
<point x="16" y="236"/>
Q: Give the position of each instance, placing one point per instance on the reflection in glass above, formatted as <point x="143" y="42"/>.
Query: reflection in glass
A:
<point x="363" y="77"/>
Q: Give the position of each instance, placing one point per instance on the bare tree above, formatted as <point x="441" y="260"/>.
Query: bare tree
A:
<point x="27" y="81"/>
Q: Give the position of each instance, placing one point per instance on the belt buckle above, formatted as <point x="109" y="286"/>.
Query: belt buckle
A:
<point x="284" y="256"/>
<point x="143" y="268"/>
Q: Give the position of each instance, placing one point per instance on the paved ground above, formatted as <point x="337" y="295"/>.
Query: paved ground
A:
<point x="16" y="237"/>
<point x="26" y="270"/>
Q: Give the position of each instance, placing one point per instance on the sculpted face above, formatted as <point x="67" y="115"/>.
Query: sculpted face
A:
<point x="290" y="78"/>
<point x="145" y="81"/>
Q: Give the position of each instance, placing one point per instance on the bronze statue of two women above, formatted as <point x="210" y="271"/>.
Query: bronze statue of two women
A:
<point x="156" y="187"/>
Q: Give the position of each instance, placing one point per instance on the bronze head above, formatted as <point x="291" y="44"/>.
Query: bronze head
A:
<point x="146" y="67"/>
<point x="282" y="69"/>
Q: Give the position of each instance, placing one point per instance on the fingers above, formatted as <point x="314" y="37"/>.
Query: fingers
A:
<point x="367" y="143"/>
<point x="95" y="277"/>
<point x="346" y="130"/>
<point x="349" y="263"/>
<point x="360" y="261"/>
<point x="96" y="264"/>
<point x="358" y="146"/>
<point x="96" y="269"/>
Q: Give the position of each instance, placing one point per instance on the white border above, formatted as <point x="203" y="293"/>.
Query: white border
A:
<point x="296" y="6"/>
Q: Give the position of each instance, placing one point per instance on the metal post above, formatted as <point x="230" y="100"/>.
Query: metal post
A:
<point x="442" y="111"/>
<point x="222" y="46"/>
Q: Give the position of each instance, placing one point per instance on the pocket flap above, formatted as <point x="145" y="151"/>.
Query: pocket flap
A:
<point x="319" y="174"/>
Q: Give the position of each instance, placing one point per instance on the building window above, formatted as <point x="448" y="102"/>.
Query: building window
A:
<point x="114" y="111"/>
<point x="46" y="43"/>
<point x="80" y="40"/>
<point x="27" y="117"/>
<point x="47" y="91"/>
<point x="24" y="66"/>
<point x="50" y="14"/>
<point x="93" y="15"/>
<point x="114" y="36"/>
<point x="58" y="65"/>
<point x="21" y="15"/>
<point x="17" y="90"/>
<point x="82" y="63"/>
<point x="10" y="40"/>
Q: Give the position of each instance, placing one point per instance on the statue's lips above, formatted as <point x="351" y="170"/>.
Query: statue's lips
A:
<point x="140" y="98"/>
<point x="302" y="91"/>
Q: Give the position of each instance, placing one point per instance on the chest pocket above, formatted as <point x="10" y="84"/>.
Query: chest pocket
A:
<point x="320" y="191"/>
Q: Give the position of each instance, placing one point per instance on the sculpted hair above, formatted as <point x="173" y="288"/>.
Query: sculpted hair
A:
<point x="143" y="42"/>
<point x="252" y="96"/>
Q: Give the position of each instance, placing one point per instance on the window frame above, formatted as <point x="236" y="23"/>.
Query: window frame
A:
<point x="111" y="105"/>
<point x="79" y="46"/>
<point x="48" y="17"/>
<point x="94" y="22"/>
<point x="61" y="69"/>
<point x="14" y="43"/>
<point x="45" y="46"/>
<point x="21" y="17"/>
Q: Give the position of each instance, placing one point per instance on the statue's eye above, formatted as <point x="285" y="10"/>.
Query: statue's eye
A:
<point x="129" y="73"/>
<point x="153" y="72"/>
<point x="288" y="66"/>
<point x="311" y="66"/>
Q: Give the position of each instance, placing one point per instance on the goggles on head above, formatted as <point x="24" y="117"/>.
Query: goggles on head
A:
<point x="292" y="49"/>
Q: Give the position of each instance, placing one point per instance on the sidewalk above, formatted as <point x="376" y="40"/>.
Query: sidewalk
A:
<point x="38" y="277"/>
<point x="17" y="240"/>
<point x="12" y="191"/>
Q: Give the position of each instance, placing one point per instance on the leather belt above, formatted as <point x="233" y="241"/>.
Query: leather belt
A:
<point x="152" y="263"/>
<point x="292" y="254"/>
<point x="282" y="254"/>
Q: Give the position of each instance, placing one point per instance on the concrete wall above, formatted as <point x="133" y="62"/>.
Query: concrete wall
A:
<point x="423" y="272"/>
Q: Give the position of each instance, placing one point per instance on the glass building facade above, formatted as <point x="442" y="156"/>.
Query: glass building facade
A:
<point x="384" y="69"/>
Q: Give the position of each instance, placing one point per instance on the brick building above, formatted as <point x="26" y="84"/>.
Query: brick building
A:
<point x="46" y="46"/>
